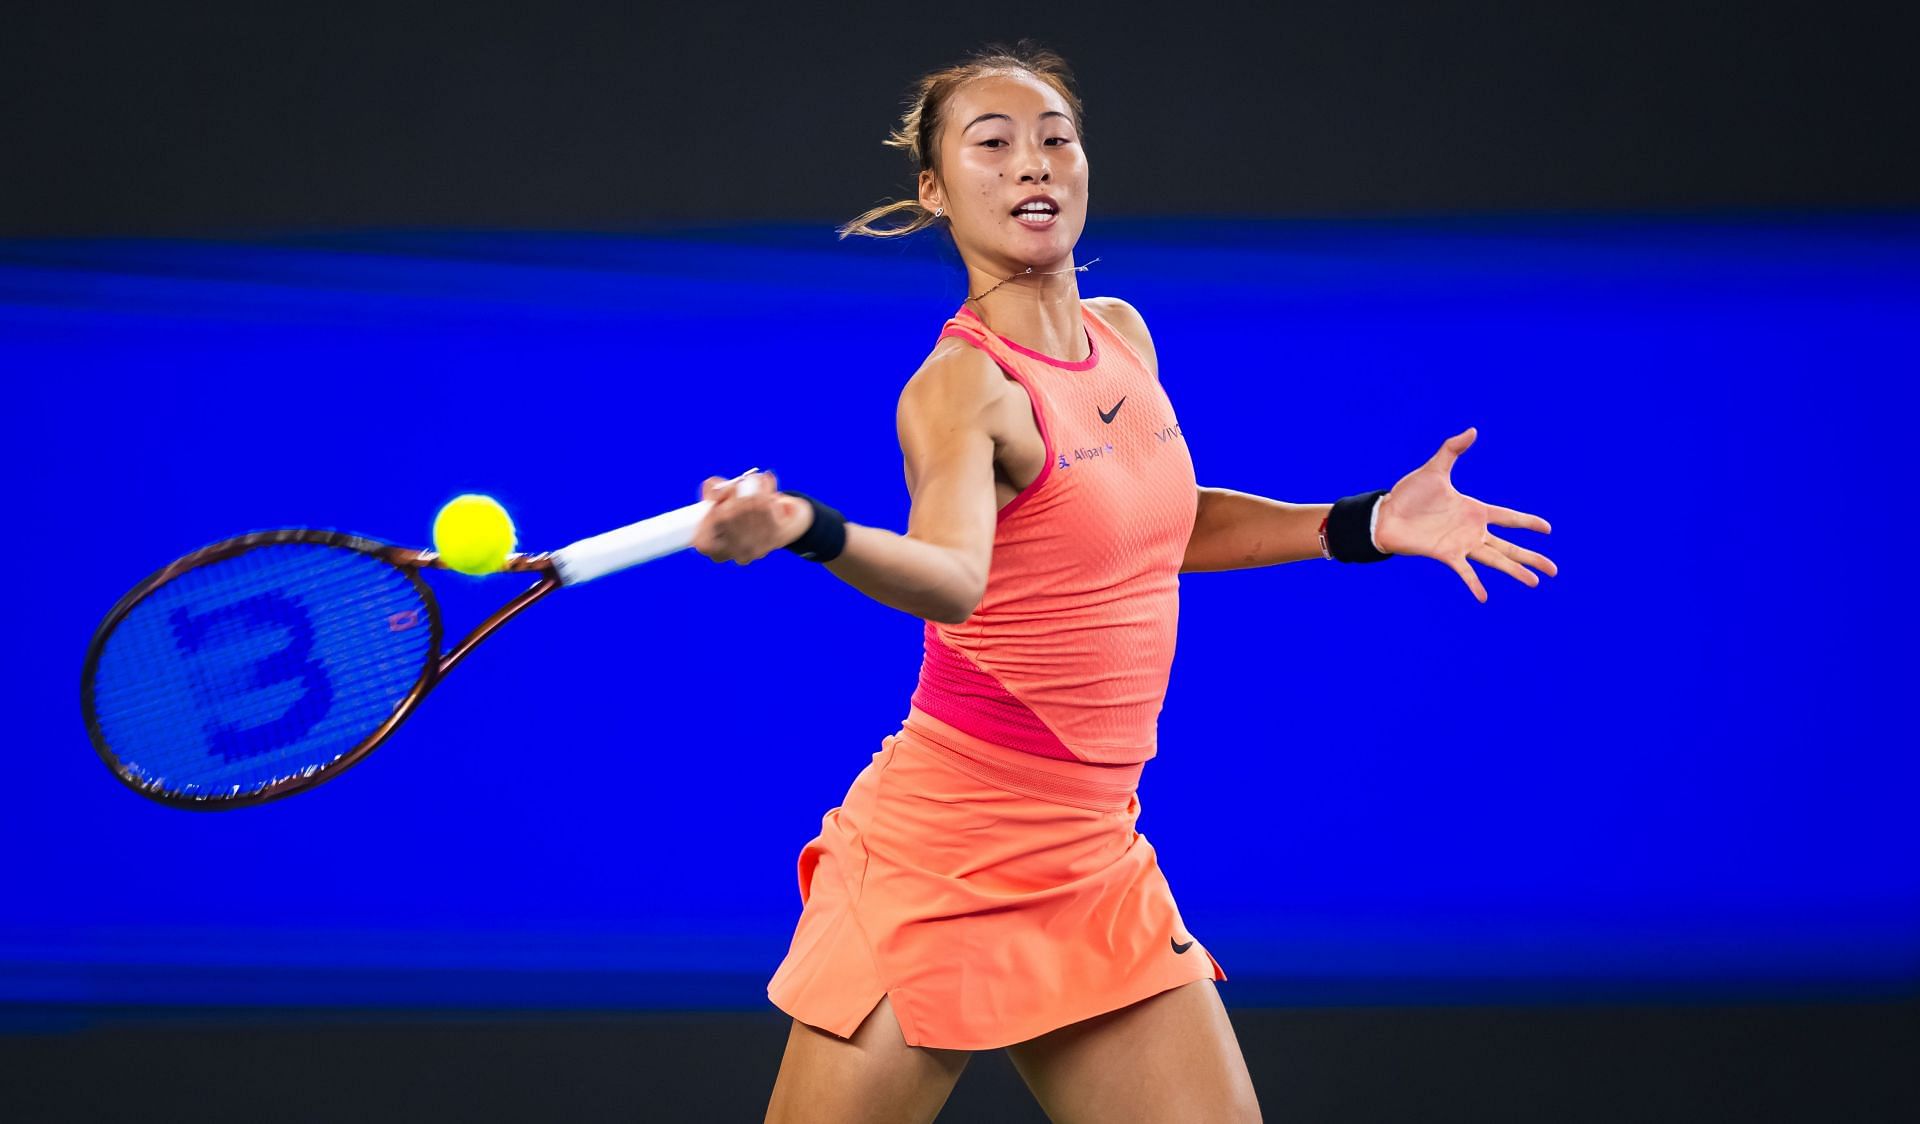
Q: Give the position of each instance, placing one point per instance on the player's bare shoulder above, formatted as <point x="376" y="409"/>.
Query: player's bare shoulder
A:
<point x="1130" y="324"/>
<point x="956" y="398"/>
<point x="955" y="382"/>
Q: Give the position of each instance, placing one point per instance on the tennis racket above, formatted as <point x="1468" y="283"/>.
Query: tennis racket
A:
<point x="270" y="663"/>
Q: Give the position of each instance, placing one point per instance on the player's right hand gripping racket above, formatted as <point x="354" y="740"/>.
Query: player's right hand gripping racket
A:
<point x="267" y="664"/>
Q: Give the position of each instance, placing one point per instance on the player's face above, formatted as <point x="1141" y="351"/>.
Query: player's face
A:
<point x="1005" y="139"/>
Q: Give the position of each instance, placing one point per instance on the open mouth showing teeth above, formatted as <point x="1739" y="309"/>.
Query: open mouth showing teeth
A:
<point x="1035" y="214"/>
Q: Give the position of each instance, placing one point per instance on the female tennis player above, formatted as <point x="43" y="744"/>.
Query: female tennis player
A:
<point x="982" y="886"/>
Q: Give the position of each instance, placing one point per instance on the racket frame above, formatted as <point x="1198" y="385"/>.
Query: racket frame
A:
<point x="654" y="537"/>
<point x="433" y="670"/>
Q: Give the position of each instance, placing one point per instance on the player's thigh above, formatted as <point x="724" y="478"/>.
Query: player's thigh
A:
<point x="872" y="1078"/>
<point x="1171" y="1056"/>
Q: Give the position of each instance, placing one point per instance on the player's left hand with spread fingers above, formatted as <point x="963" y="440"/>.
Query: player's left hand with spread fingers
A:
<point x="743" y="528"/>
<point x="1424" y="515"/>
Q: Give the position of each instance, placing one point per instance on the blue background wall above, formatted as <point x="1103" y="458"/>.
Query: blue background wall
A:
<point x="1680" y="767"/>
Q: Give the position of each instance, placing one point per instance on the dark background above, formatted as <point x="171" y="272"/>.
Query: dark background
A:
<point x="224" y="116"/>
<point x="1404" y="1065"/>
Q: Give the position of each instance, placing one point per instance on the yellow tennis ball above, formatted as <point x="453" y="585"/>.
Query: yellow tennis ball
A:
<point x="473" y="534"/>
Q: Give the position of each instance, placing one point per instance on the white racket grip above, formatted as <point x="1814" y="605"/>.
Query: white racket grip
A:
<point x="653" y="537"/>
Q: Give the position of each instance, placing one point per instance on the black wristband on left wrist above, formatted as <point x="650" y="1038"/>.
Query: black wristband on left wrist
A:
<point x="1348" y="537"/>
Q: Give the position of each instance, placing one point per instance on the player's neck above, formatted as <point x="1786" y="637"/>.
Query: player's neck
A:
<point x="1040" y="314"/>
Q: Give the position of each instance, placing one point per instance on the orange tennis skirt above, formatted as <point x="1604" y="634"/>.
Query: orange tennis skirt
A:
<point x="993" y="894"/>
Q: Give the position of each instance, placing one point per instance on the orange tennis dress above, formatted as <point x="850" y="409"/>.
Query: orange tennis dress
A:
<point x="983" y="870"/>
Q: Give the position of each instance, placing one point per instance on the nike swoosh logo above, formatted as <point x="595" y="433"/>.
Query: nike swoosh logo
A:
<point x="1107" y="416"/>
<point x="1178" y="947"/>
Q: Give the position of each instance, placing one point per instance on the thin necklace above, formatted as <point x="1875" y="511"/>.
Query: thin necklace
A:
<point x="1028" y="272"/>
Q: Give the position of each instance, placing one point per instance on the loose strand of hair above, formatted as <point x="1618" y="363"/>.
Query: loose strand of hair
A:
<point x="864" y="224"/>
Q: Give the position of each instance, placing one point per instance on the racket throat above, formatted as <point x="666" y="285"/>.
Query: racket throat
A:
<point x="547" y="584"/>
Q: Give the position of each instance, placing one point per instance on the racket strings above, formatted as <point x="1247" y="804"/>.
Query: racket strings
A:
<point x="272" y="663"/>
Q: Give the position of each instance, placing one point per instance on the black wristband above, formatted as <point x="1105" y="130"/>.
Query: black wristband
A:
<point x="1348" y="536"/>
<point x="825" y="538"/>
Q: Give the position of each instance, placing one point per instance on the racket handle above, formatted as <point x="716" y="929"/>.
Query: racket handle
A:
<point x="650" y="538"/>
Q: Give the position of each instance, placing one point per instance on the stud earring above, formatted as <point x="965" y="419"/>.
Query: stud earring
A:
<point x="938" y="211"/>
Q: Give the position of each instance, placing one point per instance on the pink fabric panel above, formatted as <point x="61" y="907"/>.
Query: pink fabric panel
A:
<point x="958" y="693"/>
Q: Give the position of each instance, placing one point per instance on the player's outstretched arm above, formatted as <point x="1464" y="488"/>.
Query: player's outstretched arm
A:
<point x="1423" y="514"/>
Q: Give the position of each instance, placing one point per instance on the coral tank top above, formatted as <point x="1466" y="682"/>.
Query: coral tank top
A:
<point x="1070" y="649"/>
